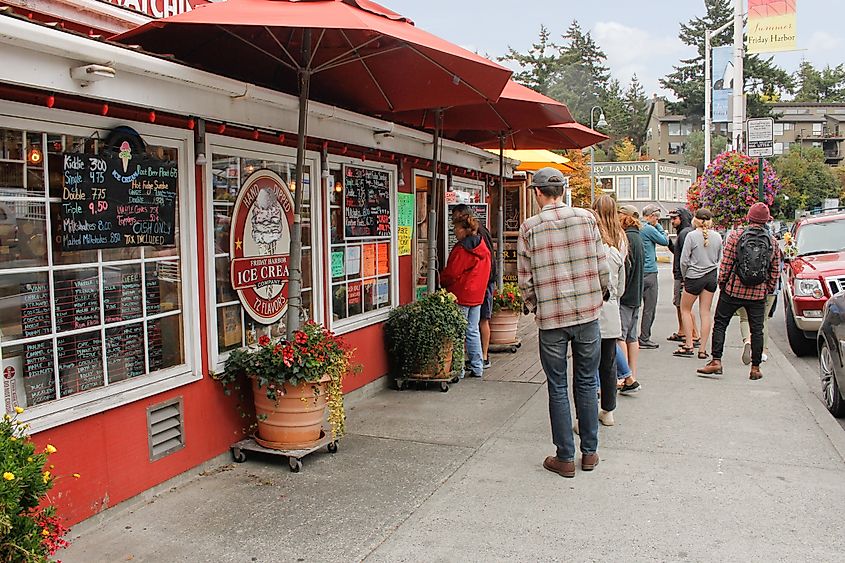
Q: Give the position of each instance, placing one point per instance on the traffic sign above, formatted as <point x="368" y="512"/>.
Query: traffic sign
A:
<point x="760" y="136"/>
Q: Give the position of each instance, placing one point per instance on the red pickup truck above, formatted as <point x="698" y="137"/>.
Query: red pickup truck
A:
<point x="814" y="272"/>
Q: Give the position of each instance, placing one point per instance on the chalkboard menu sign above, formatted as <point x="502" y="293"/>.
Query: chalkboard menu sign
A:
<point x="117" y="199"/>
<point x="80" y="362"/>
<point x="125" y="352"/>
<point x="77" y="300"/>
<point x="122" y="295"/>
<point x="154" y="345"/>
<point x="38" y="379"/>
<point x="35" y="309"/>
<point x="366" y="202"/>
<point x="478" y="209"/>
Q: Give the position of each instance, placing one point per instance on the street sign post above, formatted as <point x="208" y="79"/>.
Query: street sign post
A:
<point x="761" y="144"/>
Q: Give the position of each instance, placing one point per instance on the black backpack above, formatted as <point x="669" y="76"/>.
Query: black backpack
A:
<point x="754" y="256"/>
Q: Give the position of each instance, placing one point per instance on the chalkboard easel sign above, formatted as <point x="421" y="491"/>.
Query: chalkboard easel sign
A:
<point x="366" y="202"/>
<point x="117" y="199"/>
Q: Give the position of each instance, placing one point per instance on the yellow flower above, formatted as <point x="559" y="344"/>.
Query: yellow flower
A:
<point x="29" y="460"/>
<point x="50" y="449"/>
<point x="45" y="532"/>
<point x="7" y="418"/>
<point x="8" y="476"/>
<point x="18" y="410"/>
<point x="46" y="476"/>
<point x="76" y="475"/>
<point x="12" y="439"/>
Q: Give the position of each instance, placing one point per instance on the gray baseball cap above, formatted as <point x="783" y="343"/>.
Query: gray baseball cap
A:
<point x="651" y="209"/>
<point x="545" y="177"/>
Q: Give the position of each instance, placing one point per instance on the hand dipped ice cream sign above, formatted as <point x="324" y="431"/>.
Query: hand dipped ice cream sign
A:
<point x="260" y="246"/>
<point x="159" y="8"/>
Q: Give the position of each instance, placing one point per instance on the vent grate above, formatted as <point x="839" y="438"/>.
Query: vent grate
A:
<point x="165" y="430"/>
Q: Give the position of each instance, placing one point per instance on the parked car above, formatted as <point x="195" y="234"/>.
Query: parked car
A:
<point x="814" y="271"/>
<point x="831" y="345"/>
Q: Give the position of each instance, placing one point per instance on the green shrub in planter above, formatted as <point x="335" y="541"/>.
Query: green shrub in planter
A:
<point x="418" y="334"/>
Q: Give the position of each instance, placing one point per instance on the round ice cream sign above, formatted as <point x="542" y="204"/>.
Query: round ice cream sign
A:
<point x="260" y="246"/>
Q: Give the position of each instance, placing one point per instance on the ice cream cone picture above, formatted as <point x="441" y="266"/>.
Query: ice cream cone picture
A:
<point x="125" y="155"/>
<point x="267" y="223"/>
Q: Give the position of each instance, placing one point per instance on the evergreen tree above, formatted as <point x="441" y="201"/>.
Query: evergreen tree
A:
<point x="616" y="113"/>
<point x="540" y="64"/>
<point x="826" y="85"/>
<point x="636" y="104"/>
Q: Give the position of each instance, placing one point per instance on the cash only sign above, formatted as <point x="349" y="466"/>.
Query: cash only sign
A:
<point x="260" y="246"/>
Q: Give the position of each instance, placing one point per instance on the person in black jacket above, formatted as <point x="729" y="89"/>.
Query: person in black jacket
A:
<point x="487" y="305"/>
<point x="682" y="222"/>
<point x="631" y="300"/>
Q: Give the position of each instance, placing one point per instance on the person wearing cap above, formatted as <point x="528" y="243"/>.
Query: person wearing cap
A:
<point x="700" y="268"/>
<point x="743" y="249"/>
<point x="652" y="234"/>
<point x="681" y="220"/>
<point x="632" y="298"/>
<point x="564" y="278"/>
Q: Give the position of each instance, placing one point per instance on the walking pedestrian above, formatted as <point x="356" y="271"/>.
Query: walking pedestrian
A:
<point x="610" y="325"/>
<point x="745" y="327"/>
<point x="632" y="298"/>
<point x="700" y="268"/>
<point x="652" y="234"/>
<point x="681" y="219"/>
<point x="564" y="277"/>
<point x="487" y="305"/>
<point x="466" y="274"/>
<point x="748" y="273"/>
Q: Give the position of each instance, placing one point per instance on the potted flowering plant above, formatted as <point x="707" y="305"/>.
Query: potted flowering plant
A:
<point x="729" y="187"/>
<point x="29" y="527"/>
<point x="293" y="384"/>
<point x="507" y="308"/>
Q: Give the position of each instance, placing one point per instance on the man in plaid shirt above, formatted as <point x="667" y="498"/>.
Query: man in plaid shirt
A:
<point x="563" y="275"/>
<point x="735" y="295"/>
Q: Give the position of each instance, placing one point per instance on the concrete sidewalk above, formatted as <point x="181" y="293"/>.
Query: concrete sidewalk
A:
<point x="694" y="470"/>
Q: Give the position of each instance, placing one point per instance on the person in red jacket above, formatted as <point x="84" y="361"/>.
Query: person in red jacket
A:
<point x="466" y="274"/>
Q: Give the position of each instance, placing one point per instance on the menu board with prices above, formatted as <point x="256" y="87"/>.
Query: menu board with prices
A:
<point x="154" y="346"/>
<point x="77" y="301"/>
<point x="153" y="290"/>
<point x="117" y="199"/>
<point x="122" y="296"/>
<point x="511" y="219"/>
<point x="125" y="352"/>
<point x="80" y="362"/>
<point x="366" y="202"/>
<point x="39" y="381"/>
<point x="35" y="309"/>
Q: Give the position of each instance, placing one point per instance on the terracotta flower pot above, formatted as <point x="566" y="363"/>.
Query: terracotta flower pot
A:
<point x="294" y="420"/>
<point x="503" y="326"/>
<point x="441" y="371"/>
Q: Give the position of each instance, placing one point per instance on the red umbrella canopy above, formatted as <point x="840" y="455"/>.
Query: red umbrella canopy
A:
<point x="519" y="107"/>
<point x="362" y="55"/>
<point x="556" y="137"/>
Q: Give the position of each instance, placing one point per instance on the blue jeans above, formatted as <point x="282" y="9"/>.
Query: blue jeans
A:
<point x="586" y="350"/>
<point x="623" y="370"/>
<point x="473" y="340"/>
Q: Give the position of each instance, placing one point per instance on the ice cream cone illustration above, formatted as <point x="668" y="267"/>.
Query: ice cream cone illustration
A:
<point x="267" y="223"/>
<point x="125" y="155"/>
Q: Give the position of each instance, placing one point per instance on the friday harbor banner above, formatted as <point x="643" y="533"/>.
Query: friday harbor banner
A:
<point x="771" y="26"/>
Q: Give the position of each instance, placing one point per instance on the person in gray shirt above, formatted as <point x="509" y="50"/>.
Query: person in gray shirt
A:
<point x="700" y="268"/>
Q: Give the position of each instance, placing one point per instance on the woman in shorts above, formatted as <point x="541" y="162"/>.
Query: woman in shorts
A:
<point x="700" y="269"/>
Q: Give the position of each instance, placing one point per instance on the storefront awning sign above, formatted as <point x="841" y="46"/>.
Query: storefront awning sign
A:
<point x="260" y="246"/>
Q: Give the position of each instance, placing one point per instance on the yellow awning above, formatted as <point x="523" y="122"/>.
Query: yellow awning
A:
<point x="533" y="160"/>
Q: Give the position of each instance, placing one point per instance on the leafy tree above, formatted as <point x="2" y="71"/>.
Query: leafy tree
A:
<point x="694" y="149"/>
<point x="807" y="180"/>
<point x="625" y="150"/>
<point x="540" y="64"/>
<point x="579" y="180"/>
<point x="826" y="85"/>
<point x="762" y="78"/>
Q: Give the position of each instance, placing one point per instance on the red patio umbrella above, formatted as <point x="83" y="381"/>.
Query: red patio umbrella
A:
<point x="355" y="53"/>
<point x="556" y="137"/>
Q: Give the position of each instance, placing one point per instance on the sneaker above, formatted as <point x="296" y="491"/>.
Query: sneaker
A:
<point x="630" y="388"/>
<point x="649" y="345"/>
<point x="473" y="374"/>
<point x="746" y="353"/>
<point x="606" y="418"/>
<point x="764" y="358"/>
<point x="487" y="363"/>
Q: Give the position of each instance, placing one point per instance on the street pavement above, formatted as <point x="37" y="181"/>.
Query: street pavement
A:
<point x="694" y="470"/>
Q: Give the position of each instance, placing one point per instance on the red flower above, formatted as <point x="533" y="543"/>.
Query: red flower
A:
<point x="301" y="337"/>
<point x="263" y="340"/>
<point x="287" y="355"/>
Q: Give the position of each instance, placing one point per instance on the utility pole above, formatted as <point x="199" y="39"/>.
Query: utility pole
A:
<point x="739" y="78"/>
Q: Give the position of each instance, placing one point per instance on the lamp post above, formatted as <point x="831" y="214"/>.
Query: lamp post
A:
<point x="602" y="122"/>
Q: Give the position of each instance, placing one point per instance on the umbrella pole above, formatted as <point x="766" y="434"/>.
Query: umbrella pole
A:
<point x="500" y="235"/>
<point x="435" y="201"/>
<point x="295" y="267"/>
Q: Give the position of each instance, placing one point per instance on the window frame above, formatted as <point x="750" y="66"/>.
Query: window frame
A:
<point x="80" y="405"/>
<point x="632" y="186"/>
<point x="636" y="187"/>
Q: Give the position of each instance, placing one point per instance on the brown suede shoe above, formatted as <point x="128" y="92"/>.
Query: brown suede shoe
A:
<point x="562" y="468"/>
<point x="713" y="368"/>
<point x="755" y="373"/>
<point x="589" y="461"/>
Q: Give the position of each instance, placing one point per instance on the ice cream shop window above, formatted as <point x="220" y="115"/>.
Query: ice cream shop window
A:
<point x="91" y="291"/>
<point x="362" y="248"/>
<point x="252" y="216"/>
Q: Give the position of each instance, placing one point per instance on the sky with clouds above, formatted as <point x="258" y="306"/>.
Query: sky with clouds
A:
<point x="638" y="37"/>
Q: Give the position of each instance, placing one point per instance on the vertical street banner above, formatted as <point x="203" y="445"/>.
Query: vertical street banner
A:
<point x="723" y="77"/>
<point x="771" y="26"/>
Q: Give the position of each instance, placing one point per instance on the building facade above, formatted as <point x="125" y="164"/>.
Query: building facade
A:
<point x="641" y="183"/>
<point x="805" y="125"/>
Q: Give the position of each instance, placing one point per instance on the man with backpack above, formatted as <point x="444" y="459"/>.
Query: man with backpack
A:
<point x="748" y="274"/>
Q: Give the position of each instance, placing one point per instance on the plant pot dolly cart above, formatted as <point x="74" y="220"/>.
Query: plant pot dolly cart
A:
<point x="294" y="455"/>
